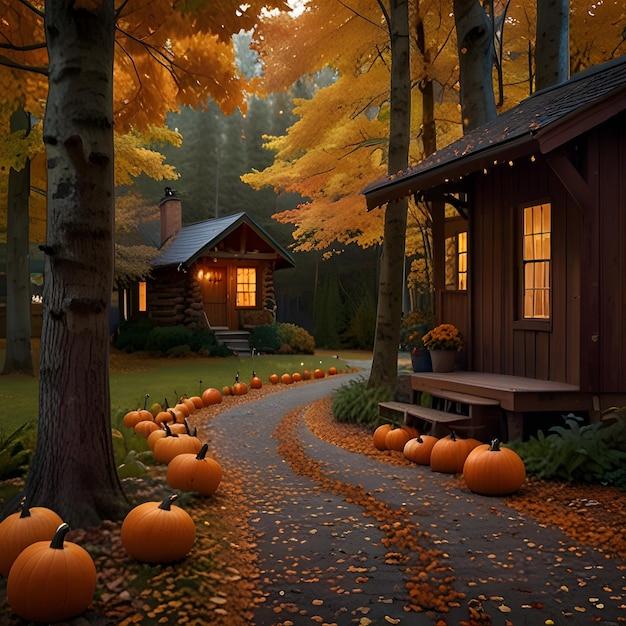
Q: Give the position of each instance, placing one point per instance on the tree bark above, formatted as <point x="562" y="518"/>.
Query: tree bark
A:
<point x="384" y="371"/>
<point x="73" y="469"/>
<point x="18" y="357"/>
<point x="475" y="46"/>
<point x="552" y="43"/>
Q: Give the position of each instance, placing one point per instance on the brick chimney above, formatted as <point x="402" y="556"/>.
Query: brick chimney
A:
<point x="171" y="214"/>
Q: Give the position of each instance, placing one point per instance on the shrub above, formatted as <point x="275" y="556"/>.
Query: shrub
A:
<point x="133" y="335"/>
<point x="578" y="452"/>
<point x="265" y="338"/>
<point x="356" y="403"/>
<point x="16" y="451"/>
<point x="164" y="338"/>
<point x="297" y="338"/>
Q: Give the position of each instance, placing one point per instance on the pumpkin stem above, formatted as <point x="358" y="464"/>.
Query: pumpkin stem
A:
<point x="166" y="504"/>
<point x="419" y="439"/>
<point x="145" y="401"/>
<point x="202" y="453"/>
<point x="59" y="536"/>
<point x="168" y="431"/>
<point x="166" y="404"/>
<point x="453" y="436"/>
<point x="495" y="445"/>
<point x="187" y="426"/>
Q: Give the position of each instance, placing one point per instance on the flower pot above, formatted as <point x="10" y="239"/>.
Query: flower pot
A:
<point x="420" y="360"/>
<point x="442" y="360"/>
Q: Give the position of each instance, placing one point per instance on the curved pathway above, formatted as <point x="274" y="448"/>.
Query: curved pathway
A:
<point x="326" y="558"/>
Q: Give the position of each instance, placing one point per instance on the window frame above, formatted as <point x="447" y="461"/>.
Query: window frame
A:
<point x="256" y="287"/>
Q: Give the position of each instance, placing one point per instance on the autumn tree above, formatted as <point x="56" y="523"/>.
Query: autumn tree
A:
<point x="163" y="58"/>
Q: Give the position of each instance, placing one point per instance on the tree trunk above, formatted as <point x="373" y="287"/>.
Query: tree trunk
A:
<point x="475" y="45"/>
<point x="18" y="357"/>
<point x="389" y="314"/>
<point x="73" y="470"/>
<point x="552" y="43"/>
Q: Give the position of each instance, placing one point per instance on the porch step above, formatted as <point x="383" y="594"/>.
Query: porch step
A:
<point x="437" y="423"/>
<point x="236" y="340"/>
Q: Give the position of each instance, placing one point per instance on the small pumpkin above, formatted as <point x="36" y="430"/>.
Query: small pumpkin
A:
<point x="319" y="373"/>
<point x="492" y="470"/>
<point x="306" y="375"/>
<point x="211" y="396"/>
<point x="448" y="454"/>
<point x="255" y="382"/>
<point x="418" y="449"/>
<point x="286" y="379"/>
<point x="154" y="436"/>
<point x="194" y="472"/>
<point x="173" y="444"/>
<point x="145" y="427"/>
<point x="21" y="529"/>
<point x="396" y="439"/>
<point x="296" y="377"/>
<point x="380" y="435"/>
<point x="51" y="581"/>
<point x="197" y="402"/>
<point x="274" y="379"/>
<point x="157" y="532"/>
<point x="332" y="371"/>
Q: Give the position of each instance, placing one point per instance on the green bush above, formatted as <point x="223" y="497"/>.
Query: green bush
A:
<point x="282" y="338"/>
<point x="16" y="451"/>
<point x="265" y="339"/>
<point x="579" y="452"/>
<point x="133" y="335"/>
<point x="164" y="338"/>
<point x="356" y="403"/>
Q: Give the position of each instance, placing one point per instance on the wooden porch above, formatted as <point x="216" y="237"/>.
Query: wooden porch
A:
<point x="516" y="395"/>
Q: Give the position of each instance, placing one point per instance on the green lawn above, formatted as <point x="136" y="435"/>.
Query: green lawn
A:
<point x="133" y="376"/>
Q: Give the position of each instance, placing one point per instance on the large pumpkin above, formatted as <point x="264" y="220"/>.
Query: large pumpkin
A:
<point x="396" y="439"/>
<point x="191" y="472"/>
<point x="491" y="470"/>
<point x="448" y="454"/>
<point x="211" y="396"/>
<point x="157" y="532"/>
<point x="21" y="529"/>
<point x="419" y="449"/>
<point x="51" y="581"/>
<point x="166" y="448"/>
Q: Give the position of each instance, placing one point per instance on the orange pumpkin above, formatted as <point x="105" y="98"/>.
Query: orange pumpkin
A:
<point x="211" y="396"/>
<point x="157" y="532"/>
<point x="491" y="470"/>
<point x="274" y="379"/>
<point x="51" y="581"/>
<point x="319" y="373"/>
<point x="286" y="379"/>
<point x="19" y="530"/>
<point x="332" y="371"/>
<point x="448" y="454"/>
<point x="380" y="434"/>
<point x="255" y="382"/>
<point x="396" y="439"/>
<point x="306" y="375"/>
<point x="190" y="472"/>
<point x="166" y="448"/>
<point x="296" y="377"/>
<point x="145" y="427"/>
<point x="419" y="449"/>
<point x="197" y="402"/>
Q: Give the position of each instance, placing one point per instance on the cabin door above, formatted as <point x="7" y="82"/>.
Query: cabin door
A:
<point x="215" y="295"/>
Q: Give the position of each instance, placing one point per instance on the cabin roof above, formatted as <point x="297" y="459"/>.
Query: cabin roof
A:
<point x="195" y="240"/>
<point x="540" y="123"/>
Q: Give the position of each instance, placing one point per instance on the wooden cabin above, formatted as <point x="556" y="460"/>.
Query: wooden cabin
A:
<point x="532" y="268"/>
<point x="217" y="273"/>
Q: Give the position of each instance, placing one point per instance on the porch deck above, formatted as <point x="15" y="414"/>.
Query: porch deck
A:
<point x="515" y="394"/>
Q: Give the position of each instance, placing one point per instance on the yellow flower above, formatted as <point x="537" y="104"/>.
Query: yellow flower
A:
<point x="443" y="337"/>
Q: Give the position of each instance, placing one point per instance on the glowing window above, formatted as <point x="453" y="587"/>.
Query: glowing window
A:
<point x="142" y="296"/>
<point x="536" y="262"/>
<point x="246" y="287"/>
<point x="456" y="261"/>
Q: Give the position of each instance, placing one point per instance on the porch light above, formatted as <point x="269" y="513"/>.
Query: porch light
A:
<point x="209" y="276"/>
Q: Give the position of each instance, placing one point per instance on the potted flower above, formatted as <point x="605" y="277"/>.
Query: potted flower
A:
<point x="412" y="343"/>
<point x="442" y="342"/>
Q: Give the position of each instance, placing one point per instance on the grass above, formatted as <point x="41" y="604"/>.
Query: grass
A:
<point x="132" y="376"/>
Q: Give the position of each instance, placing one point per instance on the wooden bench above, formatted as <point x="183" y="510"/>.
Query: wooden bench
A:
<point x="436" y="420"/>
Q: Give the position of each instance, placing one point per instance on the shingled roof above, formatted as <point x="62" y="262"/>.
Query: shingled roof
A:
<point x="541" y="123"/>
<point x="195" y="240"/>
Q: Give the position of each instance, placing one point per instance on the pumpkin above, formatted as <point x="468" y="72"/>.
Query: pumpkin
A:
<point x="286" y="379"/>
<point x="162" y="417"/>
<point x="157" y="532"/>
<point x="194" y="472"/>
<point x="396" y="439"/>
<point x="296" y="377"/>
<point x="51" y="581"/>
<point x="131" y="418"/>
<point x="255" y="382"/>
<point x="197" y="402"/>
<point x="189" y="403"/>
<point x="448" y="454"/>
<point x="166" y="448"/>
<point x="491" y="470"/>
<point x="211" y="396"/>
<point x="227" y="391"/>
<point x="154" y="436"/>
<point x="419" y="448"/>
<point x="306" y="375"/>
<point x="23" y="528"/>
<point x="380" y="434"/>
<point x="145" y="427"/>
<point x="274" y="379"/>
<point x="332" y="371"/>
<point x="183" y="408"/>
<point x="319" y="373"/>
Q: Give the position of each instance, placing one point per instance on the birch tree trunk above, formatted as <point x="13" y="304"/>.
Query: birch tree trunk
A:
<point x="18" y="357"/>
<point x="390" y="288"/>
<point x="475" y="46"/>
<point x="73" y="470"/>
<point x="552" y="43"/>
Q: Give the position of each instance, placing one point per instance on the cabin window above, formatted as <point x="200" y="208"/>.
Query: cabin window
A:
<point x="456" y="261"/>
<point x="142" y="296"/>
<point x="246" y="286"/>
<point x="536" y="262"/>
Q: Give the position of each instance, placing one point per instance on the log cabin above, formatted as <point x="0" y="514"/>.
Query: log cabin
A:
<point x="215" y="274"/>
<point x="529" y="238"/>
